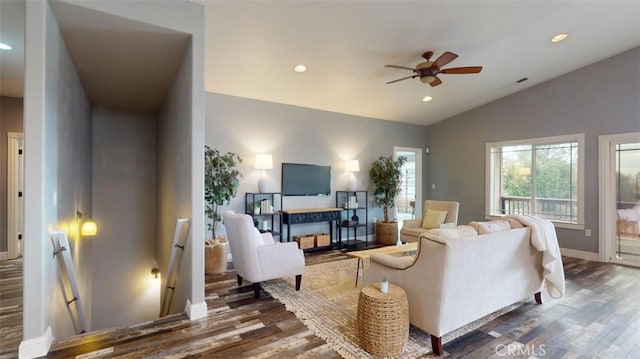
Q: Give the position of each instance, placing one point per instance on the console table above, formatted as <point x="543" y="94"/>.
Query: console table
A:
<point x="310" y="215"/>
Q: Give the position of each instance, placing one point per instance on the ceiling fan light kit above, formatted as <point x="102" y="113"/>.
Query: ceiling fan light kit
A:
<point x="428" y="71"/>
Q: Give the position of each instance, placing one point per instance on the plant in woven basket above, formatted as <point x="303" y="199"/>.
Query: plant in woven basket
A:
<point x="221" y="180"/>
<point x="386" y="179"/>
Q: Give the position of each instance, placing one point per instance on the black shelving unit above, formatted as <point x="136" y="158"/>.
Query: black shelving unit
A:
<point x="269" y="213"/>
<point x="353" y="219"/>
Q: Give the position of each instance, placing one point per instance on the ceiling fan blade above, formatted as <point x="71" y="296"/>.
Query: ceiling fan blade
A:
<point x="404" y="78"/>
<point x="444" y="59"/>
<point x="435" y="82"/>
<point x="462" y="70"/>
<point x="400" y="67"/>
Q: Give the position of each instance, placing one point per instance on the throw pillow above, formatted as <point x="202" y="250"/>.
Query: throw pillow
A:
<point x="455" y="233"/>
<point x="493" y="226"/>
<point x="433" y="218"/>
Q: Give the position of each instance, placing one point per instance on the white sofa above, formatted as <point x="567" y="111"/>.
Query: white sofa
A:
<point x="452" y="282"/>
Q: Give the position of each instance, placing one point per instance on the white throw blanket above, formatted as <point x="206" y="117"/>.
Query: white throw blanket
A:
<point x="544" y="239"/>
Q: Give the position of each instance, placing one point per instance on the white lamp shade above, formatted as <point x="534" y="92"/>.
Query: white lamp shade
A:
<point x="352" y="166"/>
<point x="264" y="162"/>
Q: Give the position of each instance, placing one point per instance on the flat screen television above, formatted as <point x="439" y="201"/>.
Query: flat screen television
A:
<point x="300" y="179"/>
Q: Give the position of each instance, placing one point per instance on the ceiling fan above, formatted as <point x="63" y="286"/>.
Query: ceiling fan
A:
<point x="428" y="71"/>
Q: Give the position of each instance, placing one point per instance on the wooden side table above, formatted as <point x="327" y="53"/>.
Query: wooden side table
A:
<point x="383" y="320"/>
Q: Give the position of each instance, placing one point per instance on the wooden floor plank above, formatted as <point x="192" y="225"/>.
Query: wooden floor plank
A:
<point x="598" y="317"/>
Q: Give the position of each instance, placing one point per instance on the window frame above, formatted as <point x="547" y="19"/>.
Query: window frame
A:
<point x="493" y="185"/>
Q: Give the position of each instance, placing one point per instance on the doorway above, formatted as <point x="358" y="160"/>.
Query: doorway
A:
<point x="620" y="198"/>
<point x="409" y="200"/>
<point x="15" y="194"/>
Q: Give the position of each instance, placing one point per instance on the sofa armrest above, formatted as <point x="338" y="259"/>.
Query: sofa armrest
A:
<point x="280" y="259"/>
<point x="412" y="223"/>
<point x="394" y="262"/>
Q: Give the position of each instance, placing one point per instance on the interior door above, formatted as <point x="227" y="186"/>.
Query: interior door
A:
<point x="408" y="203"/>
<point x="15" y="193"/>
<point x="620" y="196"/>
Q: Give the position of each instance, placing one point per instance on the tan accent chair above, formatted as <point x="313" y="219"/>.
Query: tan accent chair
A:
<point x="412" y="228"/>
<point x="256" y="257"/>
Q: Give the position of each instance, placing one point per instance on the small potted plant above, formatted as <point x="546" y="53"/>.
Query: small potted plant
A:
<point x="221" y="180"/>
<point x="386" y="180"/>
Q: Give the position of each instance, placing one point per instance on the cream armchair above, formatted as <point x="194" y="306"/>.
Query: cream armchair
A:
<point x="255" y="255"/>
<point x="412" y="228"/>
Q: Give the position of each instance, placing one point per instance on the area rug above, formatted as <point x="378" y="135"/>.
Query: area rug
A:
<point x="327" y="304"/>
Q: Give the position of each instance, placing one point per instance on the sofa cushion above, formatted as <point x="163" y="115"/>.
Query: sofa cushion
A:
<point x="433" y="218"/>
<point x="455" y="233"/>
<point x="490" y="226"/>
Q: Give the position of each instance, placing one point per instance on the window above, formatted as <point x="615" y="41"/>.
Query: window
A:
<point x="542" y="176"/>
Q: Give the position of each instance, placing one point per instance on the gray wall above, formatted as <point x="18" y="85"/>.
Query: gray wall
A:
<point x="57" y="164"/>
<point x="603" y="98"/>
<point x="174" y="181"/>
<point x="124" y="205"/>
<point x="301" y="135"/>
<point x="10" y="121"/>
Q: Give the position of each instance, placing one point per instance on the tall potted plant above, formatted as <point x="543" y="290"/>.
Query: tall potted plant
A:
<point x="386" y="179"/>
<point x="221" y="180"/>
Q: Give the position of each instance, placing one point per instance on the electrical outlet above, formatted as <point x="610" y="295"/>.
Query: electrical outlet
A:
<point x="55" y="199"/>
<point x="587" y="232"/>
<point x="433" y="186"/>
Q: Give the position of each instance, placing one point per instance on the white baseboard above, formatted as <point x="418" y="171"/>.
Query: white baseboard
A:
<point x="574" y="253"/>
<point x="4" y="255"/>
<point x="196" y="311"/>
<point x="36" y="347"/>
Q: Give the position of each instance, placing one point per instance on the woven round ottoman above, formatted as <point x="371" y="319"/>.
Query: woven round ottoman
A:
<point x="383" y="320"/>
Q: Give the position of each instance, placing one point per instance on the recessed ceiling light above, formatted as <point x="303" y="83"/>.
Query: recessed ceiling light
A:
<point x="300" y="68"/>
<point x="559" y="37"/>
<point x="4" y="46"/>
<point x="427" y="99"/>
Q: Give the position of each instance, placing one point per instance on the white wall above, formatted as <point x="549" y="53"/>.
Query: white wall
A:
<point x="124" y="205"/>
<point x="301" y="135"/>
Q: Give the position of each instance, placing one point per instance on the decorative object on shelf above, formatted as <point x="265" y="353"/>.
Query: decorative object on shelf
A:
<point x="353" y="202"/>
<point x="386" y="178"/>
<point x="263" y="162"/>
<point x="351" y="166"/>
<point x="353" y="223"/>
<point x="220" y="183"/>
<point x="265" y="209"/>
<point x="384" y="285"/>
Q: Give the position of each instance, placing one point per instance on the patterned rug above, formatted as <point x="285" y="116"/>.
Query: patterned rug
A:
<point x="327" y="305"/>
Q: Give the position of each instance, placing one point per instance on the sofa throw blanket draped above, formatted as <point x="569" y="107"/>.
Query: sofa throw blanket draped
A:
<point x="544" y="239"/>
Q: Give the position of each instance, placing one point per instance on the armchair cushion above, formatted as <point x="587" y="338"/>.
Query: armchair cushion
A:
<point x="433" y="218"/>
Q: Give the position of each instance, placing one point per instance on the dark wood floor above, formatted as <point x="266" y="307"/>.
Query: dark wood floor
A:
<point x="598" y="317"/>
